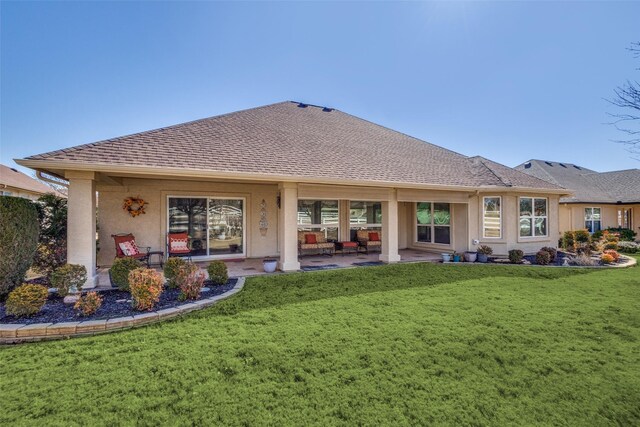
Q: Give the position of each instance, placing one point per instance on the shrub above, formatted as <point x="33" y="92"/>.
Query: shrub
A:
<point x="52" y="241"/>
<point x="191" y="282"/>
<point x="628" y="247"/>
<point x="606" y="259"/>
<point x="68" y="277"/>
<point x="18" y="240"/>
<point x="568" y="241"/>
<point x="543" y="257"/>
<point x="26" y="300"/>
<point x="610" y="246"/>
<point x="171" y="269"/>
<point x="88" y="304"/>
<point x="120" y="270"/>
<point x="581" y="236"/>
<point x="582" y="260"/>
<point x="484" y="249"/>
<point x="597" y="235"/>
<point x="553" y="252"/>
<point x="625" y="234"/>
<point x="218" y="272"/>
<point x="146" y="287"/>
<point x="515" y="256"/>
<point x="614" y="254"/>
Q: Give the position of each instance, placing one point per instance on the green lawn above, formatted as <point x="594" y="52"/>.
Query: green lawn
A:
<point x="402" y="345"/>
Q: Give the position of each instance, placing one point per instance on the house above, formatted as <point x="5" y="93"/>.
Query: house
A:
<point x="600" y="199"/>
<point x="243" y="184"/>
<point x="17" y="184"/>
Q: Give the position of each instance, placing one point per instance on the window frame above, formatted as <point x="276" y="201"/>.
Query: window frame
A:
<point x="319" y="227"/>
<point x="207" y="198"/>
<point x="534" y="217"/>
<point x="433" y="225"/>
<point x="592" y="220"/>
<point x="368" y="225"/>
<point x="484" y="212"/>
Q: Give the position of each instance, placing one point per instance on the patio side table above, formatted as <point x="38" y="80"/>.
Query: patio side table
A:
<point x="159" y="255"/>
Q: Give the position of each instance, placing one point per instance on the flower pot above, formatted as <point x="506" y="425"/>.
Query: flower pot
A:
<point x="446" y="257"/>
<point x="483" y="258"/>
<point x="457" y="258"/>
<point x="269" y="265"/>
<point x="470" y="256"/>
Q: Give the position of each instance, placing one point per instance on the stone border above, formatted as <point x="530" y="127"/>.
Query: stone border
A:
<point x="11" y="333"/>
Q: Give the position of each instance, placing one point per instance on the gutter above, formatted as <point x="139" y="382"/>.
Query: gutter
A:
<point x="51" y="181"/>
<point x="245" y="176"/>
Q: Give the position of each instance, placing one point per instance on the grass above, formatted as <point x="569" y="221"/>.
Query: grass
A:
<point x="402" y="345"/>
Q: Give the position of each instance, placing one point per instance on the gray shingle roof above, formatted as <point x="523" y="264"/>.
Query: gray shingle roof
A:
<point x="588" y="186"/>
<point x="14" y="178"/>
<point x="297" y="140"/>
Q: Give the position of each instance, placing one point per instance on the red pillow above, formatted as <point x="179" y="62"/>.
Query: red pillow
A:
<point x="310" y="239"/>
<point x="374" y="237"/>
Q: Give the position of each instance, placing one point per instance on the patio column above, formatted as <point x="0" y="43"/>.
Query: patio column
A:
<point x="390" y="229"/>
<point x="288" y="227"/>
<point x="81" y="222"/>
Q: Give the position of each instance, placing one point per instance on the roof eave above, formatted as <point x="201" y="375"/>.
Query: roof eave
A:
<point x="49" y="165"/>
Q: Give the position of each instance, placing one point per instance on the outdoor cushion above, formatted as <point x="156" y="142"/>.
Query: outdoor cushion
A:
<point x="310" y="239"/>
<point x="179" y="245"/>
<point x="374" y="237"/>
<point x="129" y="248"/>
<point x="349" y="244"/>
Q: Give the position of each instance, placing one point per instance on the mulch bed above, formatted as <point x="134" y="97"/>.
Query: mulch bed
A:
<point x="115" y="303"/>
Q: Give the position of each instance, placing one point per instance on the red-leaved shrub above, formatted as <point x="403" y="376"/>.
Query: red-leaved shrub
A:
<point x="146" y="287"/>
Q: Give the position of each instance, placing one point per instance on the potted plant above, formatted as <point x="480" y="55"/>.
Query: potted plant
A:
<point x="470" y="256"/>
<point x="446" y="257"/>
<point x="456" y="257"/>
<point x="269" y="265"/>
<point x="483" y="253"/>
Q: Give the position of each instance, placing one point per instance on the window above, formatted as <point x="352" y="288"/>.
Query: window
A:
<point x="319" y="215"/>
<point x="491" y="218"/>
<point x="433" y="222"/>
<point x="624" y="218"/>
<point x="215" y="226"/>
<point x="592" y="219"/>
<point x="533" y="217"/>
<point x="364" y="216"/>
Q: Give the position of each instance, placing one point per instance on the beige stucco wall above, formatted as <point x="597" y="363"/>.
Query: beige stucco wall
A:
<point x="572" y="215"/>
<point x="19" y="192"/>
<point x="150" y="229"/>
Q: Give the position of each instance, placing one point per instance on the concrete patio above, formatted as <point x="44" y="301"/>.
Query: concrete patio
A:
<point x="253" y="266"/>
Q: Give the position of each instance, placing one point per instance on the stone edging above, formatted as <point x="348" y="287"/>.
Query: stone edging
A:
<point x="13" y="333"/>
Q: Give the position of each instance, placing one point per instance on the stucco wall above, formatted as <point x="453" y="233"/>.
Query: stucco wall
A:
<point x="572" y="215"/>
<point x="150" y="229"/>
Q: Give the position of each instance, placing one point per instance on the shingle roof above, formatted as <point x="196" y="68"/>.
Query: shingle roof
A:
<point x="589" y="186"/>
<point x="297" y="140"/>
<point x="16" y="179"/>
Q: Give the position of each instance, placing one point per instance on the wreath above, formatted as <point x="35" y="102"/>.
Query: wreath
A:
<point x="134" y="205"/>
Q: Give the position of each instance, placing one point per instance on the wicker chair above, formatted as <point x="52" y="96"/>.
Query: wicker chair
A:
<point x="368" y="244"/>
<point x="320" y="246"/>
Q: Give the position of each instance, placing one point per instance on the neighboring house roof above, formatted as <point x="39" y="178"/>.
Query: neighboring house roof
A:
<point x="10" y="177"/>
<point x="291" y="139"/>
<point x="588" y="185"/>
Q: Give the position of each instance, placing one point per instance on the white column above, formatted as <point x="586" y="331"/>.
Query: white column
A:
<point x="288" y="227"/>
<point x="390" y="229"/>
<point x="81" y="222"/>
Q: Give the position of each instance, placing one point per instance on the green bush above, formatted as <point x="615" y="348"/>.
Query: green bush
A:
<point x="628" y="247"/>
<point x="120" y="270"/>
<point x="18" y="240"/>
<point x="485" y="250"/>
<point x="218" y="274"/>
<point x="515" y="256"/>
<point x="26" y="300"/>
<point x="68" y="277"/>
<point x="172" y="267"/>
<point x="52" y="241"/>
<point x="582" y="236"/>
<point x="610" y="245"/>
<point x="626" y="234"/>
<point x="553" y="252"/>
<point x="568" y="241"/>
<point x="543" y="257"/>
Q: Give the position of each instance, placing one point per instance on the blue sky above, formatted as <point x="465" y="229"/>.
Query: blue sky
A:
<point x="506" y="80"/>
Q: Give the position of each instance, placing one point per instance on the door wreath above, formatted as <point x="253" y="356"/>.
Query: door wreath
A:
<point x="134" y="205"/>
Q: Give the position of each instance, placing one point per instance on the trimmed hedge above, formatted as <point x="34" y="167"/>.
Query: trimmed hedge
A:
<point x="218" y="274"/>
<point x="26" y="300"/>
<point x="120" y="270"/>
<point x="19" y="231"/>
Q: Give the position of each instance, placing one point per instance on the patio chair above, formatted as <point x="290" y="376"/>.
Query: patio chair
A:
<point x="178" y="245"/>
<point x="126" y="247"/>
<point x="370" y="240"/>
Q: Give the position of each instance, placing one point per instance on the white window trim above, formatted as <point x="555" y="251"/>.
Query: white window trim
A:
<point x="533" y="217"/>
<point x="321" y="226"/>
<point x="483" y="217"/>
<point x="359" y="225"/>
<point x="592" y="220"/>
<point x="432" y="225"/>
<point x="244" y="225"/>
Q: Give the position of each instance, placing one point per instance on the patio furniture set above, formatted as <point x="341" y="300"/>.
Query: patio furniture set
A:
<point x="316" y="242"/>
<point x="177" y="246"/>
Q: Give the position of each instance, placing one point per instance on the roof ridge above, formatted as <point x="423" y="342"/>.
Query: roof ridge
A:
<point x="483" y="161"/>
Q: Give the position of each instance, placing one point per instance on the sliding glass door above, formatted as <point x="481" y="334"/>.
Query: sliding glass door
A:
<point x="215" y="226"/>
